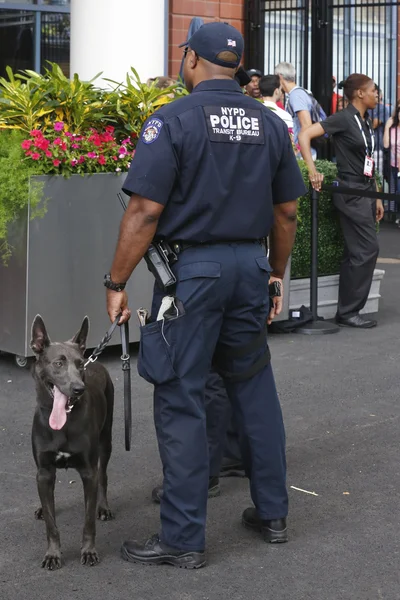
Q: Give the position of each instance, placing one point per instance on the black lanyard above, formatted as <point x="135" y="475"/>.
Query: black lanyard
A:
<point x="365" y="137"/>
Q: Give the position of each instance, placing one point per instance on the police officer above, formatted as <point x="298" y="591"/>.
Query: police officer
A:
<point x="203" y="177"/>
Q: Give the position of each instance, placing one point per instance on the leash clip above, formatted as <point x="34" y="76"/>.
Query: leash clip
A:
<point x="90" y="360"/>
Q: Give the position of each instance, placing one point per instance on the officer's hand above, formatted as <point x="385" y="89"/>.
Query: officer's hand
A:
<point x="277" y="301"/>
<point x="117" y="302"/>
<point x="379" y="211"/>
<point x="316" y="179"/>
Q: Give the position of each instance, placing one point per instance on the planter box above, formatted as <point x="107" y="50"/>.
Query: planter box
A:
<point x="59" y="261"/>
<point x="328" y="289"/>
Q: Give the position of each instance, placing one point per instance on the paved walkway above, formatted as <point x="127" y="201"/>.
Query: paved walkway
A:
<point x="340" y="396"/>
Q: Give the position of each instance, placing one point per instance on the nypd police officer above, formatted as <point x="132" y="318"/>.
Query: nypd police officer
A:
<point x="211" y="171"/>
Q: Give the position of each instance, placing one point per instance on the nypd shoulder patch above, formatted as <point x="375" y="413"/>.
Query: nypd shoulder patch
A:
<point x="152" y="130"/>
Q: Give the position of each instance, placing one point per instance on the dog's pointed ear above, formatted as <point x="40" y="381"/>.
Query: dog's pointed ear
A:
<point x="81" y="337"/>
<point x="39" y="338"/>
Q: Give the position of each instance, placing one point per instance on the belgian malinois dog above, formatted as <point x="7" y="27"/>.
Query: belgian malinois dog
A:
<point x="71" y="428"/>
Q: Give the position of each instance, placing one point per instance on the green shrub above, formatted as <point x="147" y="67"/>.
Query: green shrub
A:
<point x="15" y="186"/>
<point x="330" y="239"/>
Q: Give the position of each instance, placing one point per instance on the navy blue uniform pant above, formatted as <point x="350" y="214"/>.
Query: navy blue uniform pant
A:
<point x="222" y="431"/>
<point x="224" y="289"/>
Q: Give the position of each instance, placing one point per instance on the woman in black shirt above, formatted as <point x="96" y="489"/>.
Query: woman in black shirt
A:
<point x="355" y="142"/>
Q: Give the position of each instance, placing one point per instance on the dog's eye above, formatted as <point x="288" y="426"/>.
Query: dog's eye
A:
<point x="58" y="363"/>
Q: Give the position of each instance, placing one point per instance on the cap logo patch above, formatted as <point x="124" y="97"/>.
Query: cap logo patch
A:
<point x="152" y="131"/>
<point x="232" y="43"/>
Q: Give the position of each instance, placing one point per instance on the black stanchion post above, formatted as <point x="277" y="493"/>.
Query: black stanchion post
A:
<point x="316" y="326"/>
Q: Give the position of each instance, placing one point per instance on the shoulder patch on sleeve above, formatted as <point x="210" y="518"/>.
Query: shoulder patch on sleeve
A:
<point x="152" y="130"/>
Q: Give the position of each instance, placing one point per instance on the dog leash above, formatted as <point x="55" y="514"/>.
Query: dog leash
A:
<point x="126" y="368"/>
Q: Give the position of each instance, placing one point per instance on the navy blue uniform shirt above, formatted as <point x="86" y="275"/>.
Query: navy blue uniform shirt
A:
<point x="217" y="160"/>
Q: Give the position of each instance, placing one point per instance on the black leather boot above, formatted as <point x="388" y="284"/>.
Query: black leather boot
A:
<point x="273" y="532"/>
<point x="153" y="552"/>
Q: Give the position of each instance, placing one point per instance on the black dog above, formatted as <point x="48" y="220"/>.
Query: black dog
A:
<point x="71" y="428"/>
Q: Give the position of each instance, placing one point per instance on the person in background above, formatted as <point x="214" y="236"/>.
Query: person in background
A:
<point x="241" y="77"/>
<point x="379" y="115"/>
<point x="391" y="141"/>
<point x="271" y="92"/>
<point x="299" y="102"/>
<point x="161" y="82"/>
<point x="253" y="88"/>
<point x="354" y="140"/>
<point x="335" y="97"/>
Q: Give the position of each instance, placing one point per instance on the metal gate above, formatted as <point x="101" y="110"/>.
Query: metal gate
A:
<point x="325" y="38"/>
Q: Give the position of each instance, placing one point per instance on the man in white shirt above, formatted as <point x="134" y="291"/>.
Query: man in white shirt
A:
<point x="271" y="92"/>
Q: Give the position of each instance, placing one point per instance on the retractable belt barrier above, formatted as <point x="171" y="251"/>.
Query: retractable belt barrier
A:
<point x="341" y="189"/>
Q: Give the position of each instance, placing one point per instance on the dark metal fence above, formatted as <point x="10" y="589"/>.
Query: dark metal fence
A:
<point x="29" y="38"/>
<point x="327" y="40"/>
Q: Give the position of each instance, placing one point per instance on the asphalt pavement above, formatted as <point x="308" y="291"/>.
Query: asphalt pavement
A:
<point x="340" y="397"/>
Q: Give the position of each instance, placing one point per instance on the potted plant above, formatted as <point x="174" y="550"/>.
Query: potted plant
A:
<point x="65" y="147"/>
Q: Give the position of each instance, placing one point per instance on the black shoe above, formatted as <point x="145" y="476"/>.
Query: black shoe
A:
<point x="231" y="468"/>
<point x="153" y="552"/>
<point x="273" y="532"/>
<point x="356" y="321"/>
<point x="213" y="490"/>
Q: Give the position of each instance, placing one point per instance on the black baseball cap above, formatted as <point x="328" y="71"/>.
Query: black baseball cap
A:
<point x="252" y="72"/>
<point x="216" y="37"/>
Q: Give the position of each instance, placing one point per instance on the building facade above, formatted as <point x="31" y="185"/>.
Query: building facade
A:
<point x="320" y="37"/>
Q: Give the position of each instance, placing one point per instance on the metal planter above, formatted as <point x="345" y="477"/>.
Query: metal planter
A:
<point x="59" y="261"/>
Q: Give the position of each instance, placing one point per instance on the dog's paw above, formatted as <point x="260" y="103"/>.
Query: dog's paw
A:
<point x="39" y="514"/>
<point x="89" y="557"/>
<point x="104" y="514"/>
<point x="52" y="561"/>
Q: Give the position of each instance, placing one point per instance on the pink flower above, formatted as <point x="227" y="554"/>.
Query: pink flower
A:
<point x="109" y="128"/>
<point x="81" y="160"/>
<point x="68" y="134"/>
<point x="92" y="155"/>
<point x="35" y="132"/>
<point x="57" y="141"/>
<point x="126" y="141"/>
<point x="41" y="143"/>
<point x="75" y="145"/>
<point x="117" y="169"/>
<point x="63" y="146"/>
<point x="114" y="157"/>
<point x="74" y="162"/>
<point x="122" y="151"/>
<point x="35" y="156"/>
<point x="48" y="154"/>
<point x="26" y="144"/>
<point x="58" y="126"/>
<point x="56" y="162"/>
<point x="101" y="160"/>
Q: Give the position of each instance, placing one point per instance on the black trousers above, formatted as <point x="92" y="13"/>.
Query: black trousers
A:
<point x="358" y="222"/>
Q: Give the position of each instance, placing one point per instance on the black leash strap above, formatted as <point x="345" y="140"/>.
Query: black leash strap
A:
<point x="104" y="343"/>
<point x="341" y="189"/>
<point x="126" y="368"/>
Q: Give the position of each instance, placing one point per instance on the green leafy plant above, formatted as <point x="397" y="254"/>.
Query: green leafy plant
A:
<point x="132" y="102"/>
<point x="330" y="239"/>
<point x="16" y="186"/>
<point x="50" y="125"/>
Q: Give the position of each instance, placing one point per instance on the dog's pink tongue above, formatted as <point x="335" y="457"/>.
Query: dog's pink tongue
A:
<point x="58" y="415"/>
